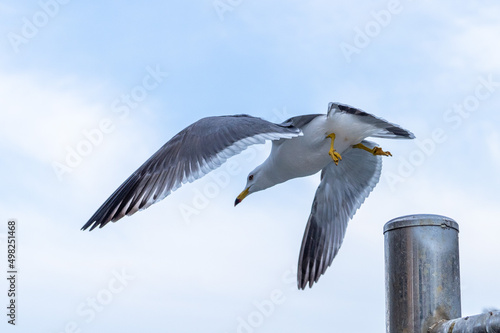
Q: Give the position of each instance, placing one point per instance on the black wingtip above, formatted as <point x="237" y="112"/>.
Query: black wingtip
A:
<point x="86" y="226"/>
<point x="91" y="223"/>
<point x="94" y="223"/>
<point x="401" y="132"/>
<point x="308" y="280"/>
<point x="301" y="285"/>
<point x="349" y="109"/>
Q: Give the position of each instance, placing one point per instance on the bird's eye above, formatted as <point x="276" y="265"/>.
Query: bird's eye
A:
<point x="250" y="177"/>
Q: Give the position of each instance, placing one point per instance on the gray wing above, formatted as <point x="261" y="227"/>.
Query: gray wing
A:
<point x="342" y="190"/>
<point x="386" y="129"/>
<point x="300" y="121"/>
<point x="192" y="153"/>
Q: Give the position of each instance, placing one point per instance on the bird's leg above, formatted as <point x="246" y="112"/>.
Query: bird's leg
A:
<point x="374" y="150"/>
<point x="333" y="153"/>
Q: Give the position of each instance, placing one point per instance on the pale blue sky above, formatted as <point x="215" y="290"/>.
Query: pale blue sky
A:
<point x="430" y="67"/>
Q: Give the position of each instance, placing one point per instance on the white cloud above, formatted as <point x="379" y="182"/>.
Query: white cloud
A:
<point x="40" y="119"/>
<point x="475" y="45"/>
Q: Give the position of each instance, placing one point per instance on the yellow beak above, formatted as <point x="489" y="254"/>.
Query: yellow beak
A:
<point x="242" y="196"/>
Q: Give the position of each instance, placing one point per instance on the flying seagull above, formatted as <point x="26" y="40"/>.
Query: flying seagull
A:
<point x="333" y="143"/>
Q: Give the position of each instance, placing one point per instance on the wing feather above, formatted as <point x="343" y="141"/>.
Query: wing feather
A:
<point x="192" y="153"/>
<point x="385" y="129"/>
<point x="342" y="190"/>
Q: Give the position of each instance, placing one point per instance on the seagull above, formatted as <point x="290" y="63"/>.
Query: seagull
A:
<point x="333" y="143"/>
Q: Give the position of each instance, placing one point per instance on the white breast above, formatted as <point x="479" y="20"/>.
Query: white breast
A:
<point x="308" y="154"/>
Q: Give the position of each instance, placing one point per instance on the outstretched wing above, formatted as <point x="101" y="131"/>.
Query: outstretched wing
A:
<point x="384" y="129"/>
<point x="342" y="190"/>
<point x="192" y="153"/>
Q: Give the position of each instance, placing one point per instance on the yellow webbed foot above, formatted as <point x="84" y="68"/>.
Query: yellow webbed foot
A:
<point x="335" y="156"/>
<point x="333" y="153"/>
<point x="379" y="151"/>
<point x="374" y="151"/>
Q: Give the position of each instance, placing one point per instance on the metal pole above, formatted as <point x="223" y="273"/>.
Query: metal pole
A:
<point x="484" y="323"/>
<point x="422" y="272"/>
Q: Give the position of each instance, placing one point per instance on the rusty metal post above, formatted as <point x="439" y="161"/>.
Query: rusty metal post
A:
<point x="422" y="272"/>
